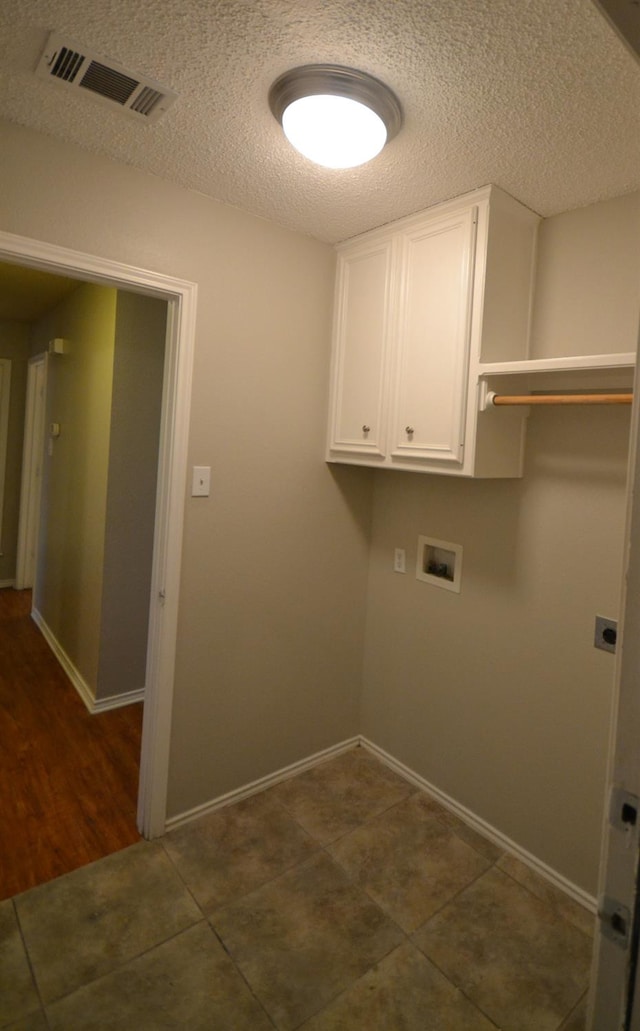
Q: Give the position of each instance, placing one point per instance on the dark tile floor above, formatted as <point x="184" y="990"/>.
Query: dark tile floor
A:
<point x="341" y="900"/>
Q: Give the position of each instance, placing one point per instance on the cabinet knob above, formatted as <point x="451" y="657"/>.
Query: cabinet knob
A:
<point x="409" y="430"/>
<point x="365" y="428"/>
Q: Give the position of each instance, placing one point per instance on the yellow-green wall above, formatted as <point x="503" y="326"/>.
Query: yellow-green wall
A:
<point x="68" y="594"/>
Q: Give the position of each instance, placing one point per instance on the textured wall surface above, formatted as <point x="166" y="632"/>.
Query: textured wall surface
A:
<point x="541" y="98"/>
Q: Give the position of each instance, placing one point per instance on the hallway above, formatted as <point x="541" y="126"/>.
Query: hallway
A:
<point x="68" y="779"/>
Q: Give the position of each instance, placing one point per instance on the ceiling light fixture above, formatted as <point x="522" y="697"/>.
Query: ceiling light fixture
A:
<point x="337" y="117"/>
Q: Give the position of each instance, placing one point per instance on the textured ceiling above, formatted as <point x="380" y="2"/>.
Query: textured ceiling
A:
<point x="538" y="96"/>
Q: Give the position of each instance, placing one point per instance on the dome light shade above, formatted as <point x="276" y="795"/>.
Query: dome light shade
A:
<point x="337" y="117"/>
<point x="336" y="132"/>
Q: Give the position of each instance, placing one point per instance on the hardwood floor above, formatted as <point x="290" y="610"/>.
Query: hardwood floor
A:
<point x="68" y="779"/>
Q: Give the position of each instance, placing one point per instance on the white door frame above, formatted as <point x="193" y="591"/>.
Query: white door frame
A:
<point x="31" y="478"/>
<point x="612" y="978"/>
<point x="172" y="468"/>
<point x="5" y="391"/>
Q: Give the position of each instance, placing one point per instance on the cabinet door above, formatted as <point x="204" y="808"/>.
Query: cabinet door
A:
<point x="434" y="325"/>
<point x="360" y="350"/>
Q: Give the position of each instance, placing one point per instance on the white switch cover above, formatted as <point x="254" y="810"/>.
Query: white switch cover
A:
<point x="201" y="481"/>
<point x="399" y="561"/>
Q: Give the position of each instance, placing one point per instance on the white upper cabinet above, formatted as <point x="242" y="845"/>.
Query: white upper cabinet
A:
<point x="420" y="304"/>
<point x="362" y="327"/>
<point x="428" y="380"/>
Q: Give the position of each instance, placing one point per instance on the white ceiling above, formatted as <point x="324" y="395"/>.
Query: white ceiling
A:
<point x="539" y="96"/>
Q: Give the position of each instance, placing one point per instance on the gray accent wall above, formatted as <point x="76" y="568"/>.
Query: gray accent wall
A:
<point x="140" y="331"/>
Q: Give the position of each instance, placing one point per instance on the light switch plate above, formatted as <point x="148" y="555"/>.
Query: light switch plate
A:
<point x="201" y="481"/>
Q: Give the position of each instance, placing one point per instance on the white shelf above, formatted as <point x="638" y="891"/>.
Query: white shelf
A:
<point x="577" y="363"/>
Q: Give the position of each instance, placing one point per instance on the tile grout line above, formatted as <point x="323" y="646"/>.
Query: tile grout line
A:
<point x="319" y="848"/>
<point x="545" y="902"/>
<point x="30" y="964"/>
<point x="121" y="965"/>
<point x="324" y="848"/>
<point x="214" y="932"/>
<point x="343" y="991"/>
<point x="241" y="974"/>
<point x="573" y="1010"/>
<point x="245" y="894"/>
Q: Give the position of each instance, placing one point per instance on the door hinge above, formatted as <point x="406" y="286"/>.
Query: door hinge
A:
<point x="615" y="920"/>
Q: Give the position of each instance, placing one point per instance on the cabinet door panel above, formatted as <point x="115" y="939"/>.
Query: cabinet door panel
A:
<point x="364" y="284"/>
<point x="433" y="334"/>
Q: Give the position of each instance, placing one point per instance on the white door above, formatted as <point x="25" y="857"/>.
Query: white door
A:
<point x="32" y="462"/>
<point x="615" y="1001"/>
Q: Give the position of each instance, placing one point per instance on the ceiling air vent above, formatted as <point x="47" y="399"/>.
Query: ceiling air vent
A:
<point x="76" y="66"/>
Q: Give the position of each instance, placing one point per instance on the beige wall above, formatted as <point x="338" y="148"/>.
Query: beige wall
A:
<point x="587" y="282"/>
<point x="140" y="331"/>
<point x="497" y="695"/>
<point x="68" y="592"/>
<point x="274" y="562"/>
<point x="14" y="344"/>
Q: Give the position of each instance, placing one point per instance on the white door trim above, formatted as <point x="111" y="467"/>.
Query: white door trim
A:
<point x="5" y="391"/>
<point x="612" y="973"/>
<point x="172" y="469"/>
<point x="31" y="478"/>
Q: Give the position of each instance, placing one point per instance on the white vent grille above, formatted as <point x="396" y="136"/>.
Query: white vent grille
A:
<point x="69" y="63"/>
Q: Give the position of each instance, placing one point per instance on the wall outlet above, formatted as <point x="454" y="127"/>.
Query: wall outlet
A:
<point x="606" y="634"/>
<point x="399" y="561"/>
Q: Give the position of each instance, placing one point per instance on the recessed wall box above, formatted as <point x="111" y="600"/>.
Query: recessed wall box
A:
<point x="606" y="634"/>
<point x="439" y="563"/>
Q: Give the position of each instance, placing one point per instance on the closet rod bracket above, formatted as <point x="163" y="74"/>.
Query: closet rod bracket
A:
<point x="486" y="399"/>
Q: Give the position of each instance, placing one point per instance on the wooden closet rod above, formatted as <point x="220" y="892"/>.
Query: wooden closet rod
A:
<point x="558" y="399"/>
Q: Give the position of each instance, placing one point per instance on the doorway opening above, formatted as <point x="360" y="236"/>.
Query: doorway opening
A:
<point x="161" y="629"/>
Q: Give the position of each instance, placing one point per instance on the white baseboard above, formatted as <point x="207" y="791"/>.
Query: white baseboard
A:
<point x="7" y="583"/>
<point x="484" y="828"/>
<point x="76" y="678"/>
<point x="475" y="822"/>
<point x="262" y="784"/>
<point x="72" y="672"/>
<point x="117" y="701"/>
